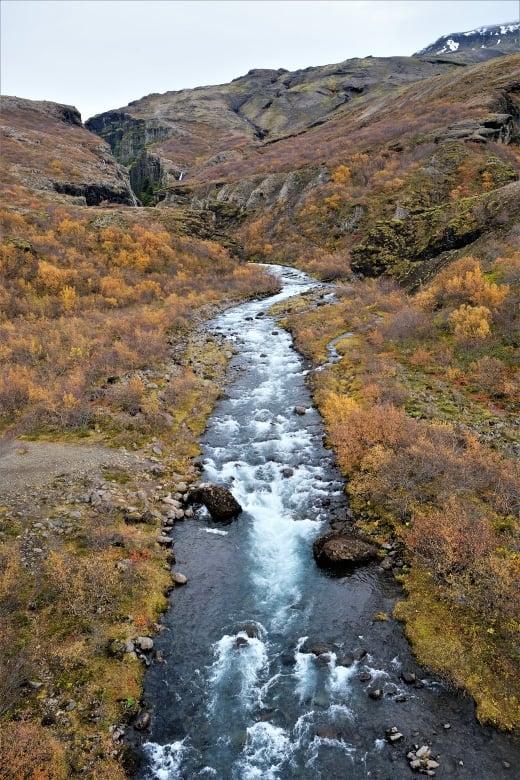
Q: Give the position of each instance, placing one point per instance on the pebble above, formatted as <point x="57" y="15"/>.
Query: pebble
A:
<point x="393" y="734"/>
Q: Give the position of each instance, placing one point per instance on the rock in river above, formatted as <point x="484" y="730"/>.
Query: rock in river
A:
<point x="339" y="550"/>
<point x="219" y="501"/>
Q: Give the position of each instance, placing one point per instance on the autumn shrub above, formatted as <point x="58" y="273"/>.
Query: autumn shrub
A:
<point x="489" y="375"/>
<point x="16" y="650"/>
<point x="409" y="322"/>
<point x="450" y="539"/>
<point x="127" y="396"/>
<point x="81" y="587"/>
<point x="30" y="752"/>
<point x="179" y="390"/>
<point x="15" y="389"/>
<point x="463" y="282"/>
<point x="353" y="430"/>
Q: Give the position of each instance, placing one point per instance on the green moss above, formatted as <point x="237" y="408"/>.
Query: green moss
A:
<point x="395" y="247"/>
<point x="451" y="640"/>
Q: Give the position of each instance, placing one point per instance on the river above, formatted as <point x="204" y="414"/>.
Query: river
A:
<point x="241" y="694"/>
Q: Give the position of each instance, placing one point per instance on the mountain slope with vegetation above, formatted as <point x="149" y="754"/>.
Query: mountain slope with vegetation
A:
<point x="395" y="177"/>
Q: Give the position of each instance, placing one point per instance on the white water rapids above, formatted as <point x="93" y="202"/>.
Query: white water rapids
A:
<point x="241" y="695"/>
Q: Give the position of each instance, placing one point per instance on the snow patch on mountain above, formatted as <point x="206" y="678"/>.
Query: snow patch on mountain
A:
<point x="482" y="37"/>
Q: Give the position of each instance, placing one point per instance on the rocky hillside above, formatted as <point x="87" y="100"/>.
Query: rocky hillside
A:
<point x="358" y="158"/>
<point x="46" y="149"/>
<point x="185" y="135"/>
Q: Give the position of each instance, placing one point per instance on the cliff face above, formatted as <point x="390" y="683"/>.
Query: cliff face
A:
<point x="46" y="149"/>
<point x="187" y="134"/>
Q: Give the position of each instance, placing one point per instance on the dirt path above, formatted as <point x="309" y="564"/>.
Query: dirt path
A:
<point x="26" y="464"/>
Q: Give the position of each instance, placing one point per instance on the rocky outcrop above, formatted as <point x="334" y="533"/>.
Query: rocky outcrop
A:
<point x="220" y="502"/>
<point x="401" y="249"/>
<point x="47" y="150"/>
<point x="95" y="194"/>
<point x="341" y="551"/>
<point x="250" y="192"/>
<point x="501" y="128"/>
<point x="126" y="135"/>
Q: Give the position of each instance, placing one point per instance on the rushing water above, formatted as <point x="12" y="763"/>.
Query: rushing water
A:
<point x="241" y="695"/>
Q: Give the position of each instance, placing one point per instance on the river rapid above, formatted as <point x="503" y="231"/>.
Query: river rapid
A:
<point x="240" y="694"/>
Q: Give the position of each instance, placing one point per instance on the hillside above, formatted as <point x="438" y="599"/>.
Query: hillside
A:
<point x="397" y="178"/>
<point x="316" y="161"/>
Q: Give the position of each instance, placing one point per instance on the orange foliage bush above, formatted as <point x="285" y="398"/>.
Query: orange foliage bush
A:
<point x="103" y="295"/>
<point x="30" y="752"/>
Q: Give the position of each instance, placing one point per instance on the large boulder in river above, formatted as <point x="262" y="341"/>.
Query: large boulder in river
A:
<point x="220" y="502"/>
<point x="341" y="551"/>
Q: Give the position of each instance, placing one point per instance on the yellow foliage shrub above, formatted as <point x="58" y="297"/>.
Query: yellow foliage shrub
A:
<point x="471" y="322"/>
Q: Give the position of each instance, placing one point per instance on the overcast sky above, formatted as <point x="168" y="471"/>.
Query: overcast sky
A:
<point x="101" y="54"/>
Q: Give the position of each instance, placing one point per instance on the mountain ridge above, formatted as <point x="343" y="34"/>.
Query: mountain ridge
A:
<point x="479" y="44"/>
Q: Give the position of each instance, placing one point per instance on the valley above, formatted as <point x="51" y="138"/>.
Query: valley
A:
<point x="394" y="184"/>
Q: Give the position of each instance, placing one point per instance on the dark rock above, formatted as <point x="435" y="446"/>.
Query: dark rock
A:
<point x="241" y="641"/>
<point x="136" y="516"/>
<point x="130" y="760"/>
<point x="408" y="677"/>
<point x="287" y="659"/>
<point x="365" y="677"/>
<point x="219" y="501"/>
<point x="360" y="654"/>
<point x="164" y="541"/>
<point x="300" y="410"/>
<point x="116" y="540"/>
<point x="319" y="650"/>
<point x="376" y="694"/>
<point x="143" y="721"/>
<point x="341" y="551"/>
<point x="251" y="630"/>
<point x="94" y="194"/>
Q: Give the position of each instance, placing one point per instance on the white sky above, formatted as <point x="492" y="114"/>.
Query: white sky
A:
<point x="101" y="54"/>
